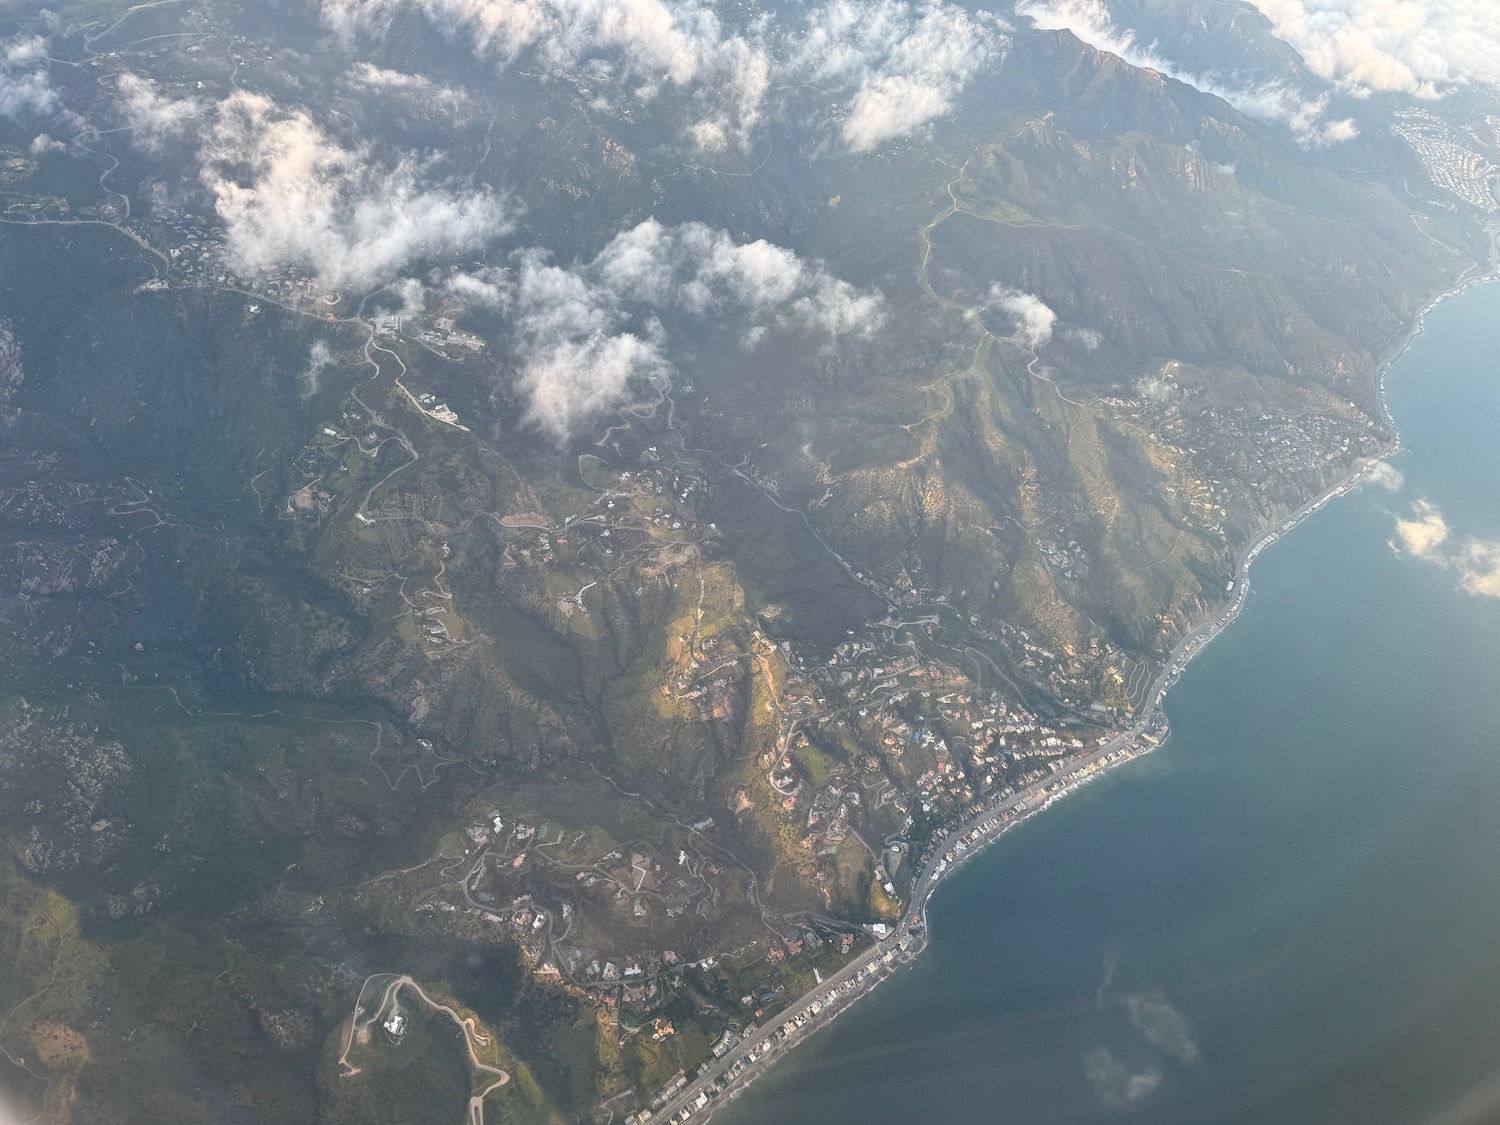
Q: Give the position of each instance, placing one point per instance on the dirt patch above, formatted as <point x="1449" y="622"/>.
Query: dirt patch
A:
<point x="58" y="1046"/>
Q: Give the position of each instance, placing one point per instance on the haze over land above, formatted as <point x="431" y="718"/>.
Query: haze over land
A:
<point x="564" y="502"/>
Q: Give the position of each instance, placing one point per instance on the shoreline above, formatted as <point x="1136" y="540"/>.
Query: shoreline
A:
<point x="753" y="1055"/>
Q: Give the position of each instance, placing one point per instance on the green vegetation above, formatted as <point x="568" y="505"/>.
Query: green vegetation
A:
<point x="608" y="748"/>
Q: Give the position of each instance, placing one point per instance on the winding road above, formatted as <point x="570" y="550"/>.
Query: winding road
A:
<point x="356" y="1027"/>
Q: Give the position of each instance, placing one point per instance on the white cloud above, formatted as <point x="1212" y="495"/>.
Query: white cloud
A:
<point x="351" y="18"/>
<point x="411" y="293"/>
<point x="905" y="62"/>
<point x="1425" y="535"/>
<point x="382" y="78"/>
<point x="1305" y="117"/>
<point x="43" y="142"/>
<point x="1113" y="1084"/>
<point x="1416" y="47"/>
<point x="588" y="337"/>
<point x="24" y="85"/>
<point x="319" y="358"/>
<point x="698" y="269"/>
<point x="1166" y="1028"/>
<point x="1033" y="319"/>
<point x="731" y="100"/>
<point x="1139" y="1085"/>
<point x="837" y="308"/>
<point x="562" y="32"/>
<point x="1092" y="23"/>
<point x="414" y="88"/>
<point x="575" y="363"/>
<point x="1384" y="475"/>
<point x="890" y="106"/>
<point x="1479" y="568"/>
<point x="708" y="136"/>
<point x="897" y="64"/>
<point x="488" y="287"/>
<point x="154" y="118"/>
<point x="682" y="44"/>
<point x="287" y="193"/>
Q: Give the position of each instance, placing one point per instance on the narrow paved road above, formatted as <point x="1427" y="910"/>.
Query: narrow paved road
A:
<point x="475" y="1113"/>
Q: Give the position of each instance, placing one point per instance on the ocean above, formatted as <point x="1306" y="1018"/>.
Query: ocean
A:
<point x="1291" y="911"/>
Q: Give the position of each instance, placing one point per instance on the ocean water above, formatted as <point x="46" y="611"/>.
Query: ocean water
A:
<point x="1289" y="913"/>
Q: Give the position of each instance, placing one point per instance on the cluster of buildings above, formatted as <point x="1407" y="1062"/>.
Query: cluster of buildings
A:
<point x="1275" y="456"/>
<point x="442" y="336"/>
<point x="758" y="1042"/>
<point x="1449" y="158"/>
<point x="927" y="731"/>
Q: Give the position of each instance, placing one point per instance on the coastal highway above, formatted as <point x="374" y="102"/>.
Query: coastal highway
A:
<point x="1195" y="639"/>
<point x="749" y="1057"/>
<point x="905" y="941"/>
<point x="864" y="971"/>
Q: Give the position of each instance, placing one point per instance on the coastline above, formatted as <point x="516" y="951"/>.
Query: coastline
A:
<point x="753" y="1055"/>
